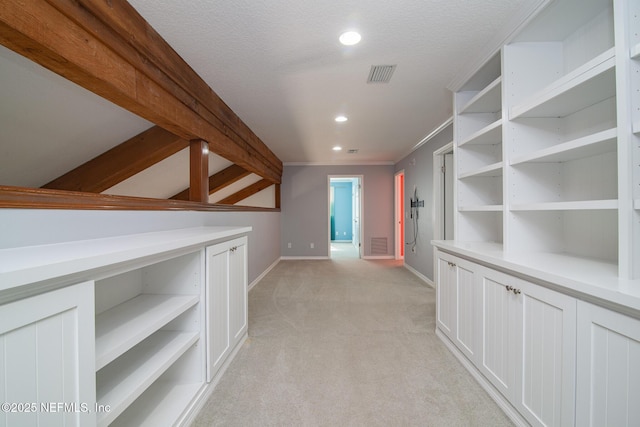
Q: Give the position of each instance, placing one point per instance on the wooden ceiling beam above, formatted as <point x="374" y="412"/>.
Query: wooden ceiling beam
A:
<point x="122" y="18"/>
<point x="121" y="162"/>
<point x="107" y="48"/>
<point x="198" y="171"/>
<point x="218" y="181"/>
<point x="41" y="198"/>
<point x="246" y="192"/>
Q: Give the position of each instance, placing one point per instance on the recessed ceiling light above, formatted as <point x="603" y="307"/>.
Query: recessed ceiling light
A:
<point x="341" y="119"/>
<point x="337" y="148"/>
<point x="350" y="38"/>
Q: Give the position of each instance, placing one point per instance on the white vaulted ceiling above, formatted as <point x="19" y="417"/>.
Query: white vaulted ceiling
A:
<point x="279" y="65"/>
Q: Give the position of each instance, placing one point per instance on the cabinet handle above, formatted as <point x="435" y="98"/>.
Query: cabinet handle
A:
<point x="517" y="291"/>
<point x="509" y="288"/>
<point x="451" y="264"/>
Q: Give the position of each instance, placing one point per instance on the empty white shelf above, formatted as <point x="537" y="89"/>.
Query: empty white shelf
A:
<point x="588" y="146"/>
<point x="162" y="404"/>
<point x="481" y="208"/>
<point x="567" y="206"/>
<point x="120" y="383"/>
<point x="127" y="324"/>
<point x="635" y="51"/>
<point x="491" y="134"/>
<point x="488" y="100"/>
<point x="593" y="82"/>
<point x="494" y="169"/>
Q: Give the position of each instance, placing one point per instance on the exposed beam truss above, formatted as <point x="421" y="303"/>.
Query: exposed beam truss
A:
<point x="218" y="181"/>
<point x="121" y="162"/>
<point x="109" y="49"/>
<point x="246" y="192"/>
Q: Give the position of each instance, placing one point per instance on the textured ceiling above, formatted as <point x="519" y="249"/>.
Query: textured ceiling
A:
<point x="278" y="64"/>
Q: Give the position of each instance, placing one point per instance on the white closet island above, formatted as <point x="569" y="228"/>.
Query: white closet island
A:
<point x="119" y="330"/>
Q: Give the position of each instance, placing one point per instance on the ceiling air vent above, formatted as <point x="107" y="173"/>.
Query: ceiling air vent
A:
<point x="381" y="73"/>
<point x="352" y="151"/>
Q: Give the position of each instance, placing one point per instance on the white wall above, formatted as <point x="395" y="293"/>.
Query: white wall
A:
<point x="305" y="207"/>
<point x="26" y="227"/>
<point x="418" y="172"/>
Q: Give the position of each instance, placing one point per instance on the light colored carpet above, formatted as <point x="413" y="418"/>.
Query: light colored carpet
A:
<point x="345" y="342"/>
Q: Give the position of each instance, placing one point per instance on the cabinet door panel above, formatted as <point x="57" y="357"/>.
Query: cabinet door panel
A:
<point x="547" y="395"/>
<point x="238" y="290"/>
<point x="608" y="388"/>
<point x="217" y="291"/>
<point x="47" y="355"/>
<point x="497" y="335"/>
<point x="466" y="310"/>
<point x="446" y="295"/>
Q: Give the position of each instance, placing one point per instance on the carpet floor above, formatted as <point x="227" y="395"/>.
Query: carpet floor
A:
<point x="345" y="342"/>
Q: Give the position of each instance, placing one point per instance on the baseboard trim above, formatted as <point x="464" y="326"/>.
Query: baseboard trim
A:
<point x="420" y="276"/>
<point x="495" y="395"/>
<point x="264" y="273"/>
<point x="301" y="258"/>
<point x="370" y="257"/>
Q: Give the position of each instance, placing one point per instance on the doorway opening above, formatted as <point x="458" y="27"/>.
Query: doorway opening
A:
<point x="345" y="216"/>
<point x="399" y="214"/>
<point x="443" y="192"/>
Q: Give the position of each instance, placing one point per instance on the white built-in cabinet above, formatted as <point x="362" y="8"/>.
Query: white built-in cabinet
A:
<point x="149" y="341"/>
<point x="129" y="332"/>
<point x="547" y="218"/>
<point x="46" y="358"/>
<point x="547" y="143"/>
<point x="457" y="310"/>
<point x="528" y="346"/>
<point x="521" y="337"/>
<point x="226" y="300"/>
<point x="608" y="368"/>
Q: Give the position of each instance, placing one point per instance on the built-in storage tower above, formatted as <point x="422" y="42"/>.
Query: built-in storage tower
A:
<point x="539" y="292"/>
<point x="547" y="140"/>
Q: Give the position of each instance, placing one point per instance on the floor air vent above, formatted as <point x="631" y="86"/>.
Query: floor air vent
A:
<point x="378" y="246"/>
<point x="381" y="73"/>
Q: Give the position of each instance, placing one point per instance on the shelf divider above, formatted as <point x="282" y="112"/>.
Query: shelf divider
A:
<point x="124" y="380"/>
<point x="568" y="206"/>
<point x="488" y="100"/>
<point x="161" y="404"/>
<point x="127" y="324"/>
<point x="587" y="85"/>
<point x="481" y="208"/>
<point x="588" y="146"/>
<point x="635" y="51"/>
<point x="491" y="134"/>
<point x="494" y="169"/>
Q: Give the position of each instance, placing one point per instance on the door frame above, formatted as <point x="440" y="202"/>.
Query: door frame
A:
<point x="360" y="180"/>
<point x="438" y="194"/>
<point x="399" y="214"/>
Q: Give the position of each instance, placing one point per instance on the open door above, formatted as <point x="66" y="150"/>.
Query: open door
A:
<point x="356" y="189"/>
<point x="345" y="216"/>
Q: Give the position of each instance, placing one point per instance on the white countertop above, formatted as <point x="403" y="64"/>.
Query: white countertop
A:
<point x="590" y="278"/>
<point x="31" y="264"/>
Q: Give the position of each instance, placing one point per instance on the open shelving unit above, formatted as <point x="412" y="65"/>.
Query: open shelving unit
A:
<point x="148" y="322"/>
<point x="547" y="139"/>
<point x="479" y="155"/>
<point x="562" y="138"/>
